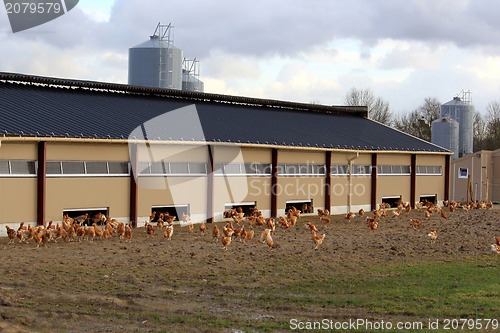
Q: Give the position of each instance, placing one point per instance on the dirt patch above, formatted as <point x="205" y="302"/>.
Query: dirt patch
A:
<point x="191" y="284"/>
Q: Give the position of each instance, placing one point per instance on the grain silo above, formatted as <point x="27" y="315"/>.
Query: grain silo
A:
<point x="191" y="76"/>
<point x="445" y="133"/>
<point x="156" y="62"/>
<point x="460" y="109"/>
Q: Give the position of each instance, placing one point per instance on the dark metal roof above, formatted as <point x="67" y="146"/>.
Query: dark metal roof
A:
<point x="37" y="106"/>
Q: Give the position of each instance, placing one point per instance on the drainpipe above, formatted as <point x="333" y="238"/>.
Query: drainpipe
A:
<point x="349" y="180"/>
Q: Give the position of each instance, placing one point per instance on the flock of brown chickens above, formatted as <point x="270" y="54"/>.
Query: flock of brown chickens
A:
<point x="429" y="208"/>
<point x="255" y="218"/>
<point x="73" y="229"/>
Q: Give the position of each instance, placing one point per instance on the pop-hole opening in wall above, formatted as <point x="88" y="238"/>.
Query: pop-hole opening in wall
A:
<point x="172" y="210"/>
<point x="247" y="207"/>
<point x="392" y="201"/>
<point x="304" y="205"/>
<point x="87" y="216"/>
<point x="429" y="198"/>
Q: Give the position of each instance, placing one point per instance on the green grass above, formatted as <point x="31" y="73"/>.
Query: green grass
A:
<point x="415" y="292"/>
<point x="420" y="291"/>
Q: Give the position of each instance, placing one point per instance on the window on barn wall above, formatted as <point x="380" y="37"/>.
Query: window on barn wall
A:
<point x="301" y="169"/>
<point x="242" y="169"/>
<point x="291" y="169"/>
<point x="361" y="170"/>
<point x="90" y="169"/>
<point x="17" y="168"/>
<point x="179" y="168"/>
<point x="22" y="167"/>
<point x="197" y="168"/>
<point x="96" y="168"/>
<point x="157" y="168"/>
<point x="463" y="173"/>
<point x="319" y="169"/>
<point x="53" y="168"/>
<point x="340" y="169"/>
<point x="144" y="168"/>
<point x="429" y="170"/>
<point x="73" y="168"/>
<point x="163" y="168"/>
<point x="4" y="168"/>
<point x="394" y="170"/>
<point x="118" y="168"/>
<point x="250" y="169"/>
<point x="232" y="168"/>
<point x="264" y="169"/>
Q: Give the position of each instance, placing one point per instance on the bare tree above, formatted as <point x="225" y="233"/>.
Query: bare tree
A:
<point x="480" y="132"/>
<point x="419" y="122"/>
<point x="493" y="126"/>
<point x="378" y="108"/>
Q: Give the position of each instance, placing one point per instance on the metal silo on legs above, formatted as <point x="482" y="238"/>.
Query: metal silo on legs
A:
<point x="445" y="133"/>
<point x="156" y="62"/>
<point x="460" y="109"/>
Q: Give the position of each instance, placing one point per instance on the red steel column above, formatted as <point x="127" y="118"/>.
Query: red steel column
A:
<point x="413" y="181"/>
<point x="374" y="182"/>
<point x="41" y="182"/>
<point x="328" y="180"/>
<point x="447" y="177"/>
<point x="274" y="183"/>
<point x="134" y="176"/>
<point x="210" y="185"/>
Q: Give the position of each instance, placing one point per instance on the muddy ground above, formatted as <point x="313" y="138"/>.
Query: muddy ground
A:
<point x="190" y="284"/>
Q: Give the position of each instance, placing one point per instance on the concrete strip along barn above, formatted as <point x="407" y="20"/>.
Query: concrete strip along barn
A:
<point x="75" y="147"/>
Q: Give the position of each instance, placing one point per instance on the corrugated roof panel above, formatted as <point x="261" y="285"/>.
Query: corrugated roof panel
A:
<point x="77" y="112"/>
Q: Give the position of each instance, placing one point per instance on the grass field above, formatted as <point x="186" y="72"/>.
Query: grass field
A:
<point x="189" y="284"/>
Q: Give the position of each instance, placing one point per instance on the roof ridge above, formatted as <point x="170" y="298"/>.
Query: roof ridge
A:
<point x="360" y="111"/>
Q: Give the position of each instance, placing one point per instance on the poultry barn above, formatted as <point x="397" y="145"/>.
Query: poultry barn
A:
<point x="81" y="147"/>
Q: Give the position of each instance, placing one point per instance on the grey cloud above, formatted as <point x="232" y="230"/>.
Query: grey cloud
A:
<point x="284" y="27"/>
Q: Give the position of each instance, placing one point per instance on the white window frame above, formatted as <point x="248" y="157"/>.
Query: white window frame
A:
<point x="427" y="173"/>
<point x="460" y="173"/>
<point x="168" y="170"/>
<point x="310" y="170"/>
<point x="393" y="169"/>
<point x="220" y="170"/>
<point x="20" y="175"/>
<point x="85" y="174"/>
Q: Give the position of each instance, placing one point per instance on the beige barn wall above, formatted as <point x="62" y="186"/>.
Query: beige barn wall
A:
<point x="226" y="154"/>
<point x="394" y="159"/>
<point x="361" y="188"/>
<point x="18" y="151"/>
<point x="172" y="153"/>
<point x="431" y="160"/>
<point x="301" y="188"/>
<point x="339" y="191"/>
<point x="18" y="200"/>
<point x="388" y="186"/>
<point x="72" y="151"/>
<point x="343" y="158"/>
<point x="233" y="189"/>
<point x="18" y="196"/>
<point x="430" y="185"/>
<point x="296" y="156"/>
<point x="495" y="176"/>
<point x="87" y="192"/>
<point x="459" y="185"/>
<point x="166" y="191"/>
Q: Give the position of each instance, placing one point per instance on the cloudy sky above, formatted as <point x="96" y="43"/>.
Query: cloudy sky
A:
<point x="297" y="50"/>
